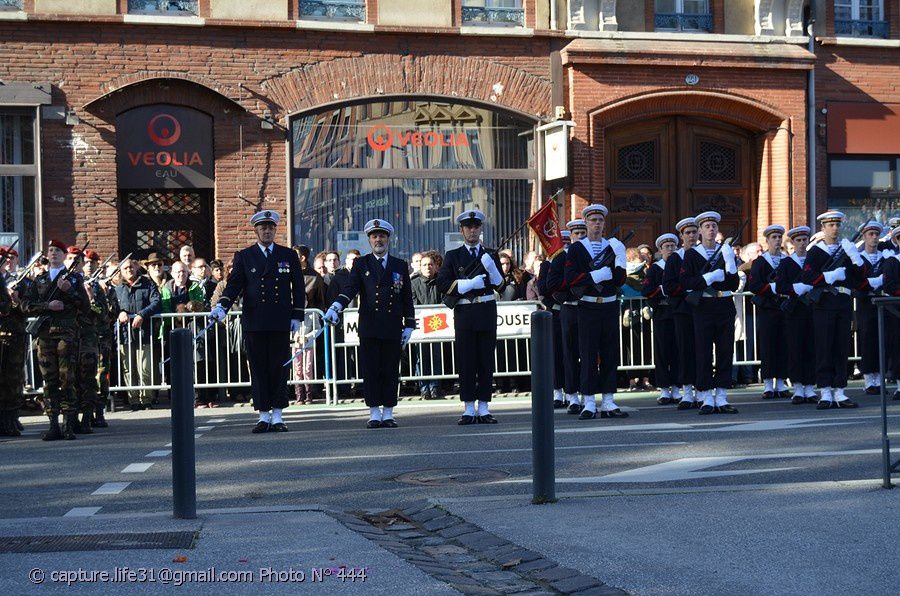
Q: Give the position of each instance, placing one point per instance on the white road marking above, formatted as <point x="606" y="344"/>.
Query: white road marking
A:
<point x="137" y="468"/>
<point x="472" y="452"/>
<point x="204" y="428"/>
<point x="160" y="453"/>
<point x="217" y="421"/>
<point x="111" y="488"/>
<point x="767" y="425"/>
<point x="82" y="511"/>
<point x="196" y="436"/>
<point x="666" y="426"/>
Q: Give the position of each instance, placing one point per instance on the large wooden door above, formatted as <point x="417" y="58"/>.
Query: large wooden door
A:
<point x="662" y="170"/>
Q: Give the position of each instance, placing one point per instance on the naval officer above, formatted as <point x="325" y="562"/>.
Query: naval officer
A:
<point x="387" y="319"/>
<point x="271" y="280"/>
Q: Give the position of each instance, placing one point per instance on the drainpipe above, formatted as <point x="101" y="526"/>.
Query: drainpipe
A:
<point x="811" y="120"/>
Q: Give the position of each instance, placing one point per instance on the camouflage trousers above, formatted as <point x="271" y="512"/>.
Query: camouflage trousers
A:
<point x="103" y="368"/>
<point x="87" y="390"/>
<point x="58" y="361"/>
<point x="12" y="370"/>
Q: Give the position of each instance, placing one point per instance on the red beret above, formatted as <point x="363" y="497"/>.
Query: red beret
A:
<point x="91" y="255"/>
<point x="73" y="250"/>
<point x="60" y="245"/>
<point x="12" y="252"/>
<point x="3" y="250"/>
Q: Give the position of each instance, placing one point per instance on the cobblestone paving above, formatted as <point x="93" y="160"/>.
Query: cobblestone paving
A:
<point x="466" y="557"/>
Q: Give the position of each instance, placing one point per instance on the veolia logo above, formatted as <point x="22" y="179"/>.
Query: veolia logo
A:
<point x="382" y="138"/>
<point x="164" y="130"/>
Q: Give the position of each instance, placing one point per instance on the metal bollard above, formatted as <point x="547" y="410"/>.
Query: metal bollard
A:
<point x="184" y="474"/>
<point x="542" y="450"/>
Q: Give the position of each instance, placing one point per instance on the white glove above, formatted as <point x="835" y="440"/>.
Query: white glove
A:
<point x="331" y="316"/>
<point x="801" y="289"/>
<point x="876" y="282"/>
<point x="404" y="337"/>
<point x="601" y="275"/>
<point x="619" y="249"/>
<point x="467" y="285"/>
<point x="728" y="256"/>
<point x="852" y="252"/>
<point x="295" y="325"/>
<point x="218" y="313"/>
<point x="839" y="274"/>
<point x="714" y="276"/>
<point x="491" y="267"/>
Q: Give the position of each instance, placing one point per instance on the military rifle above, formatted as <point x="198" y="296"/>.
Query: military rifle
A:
<point x="34" y="326"/>
<point x="578" y="291"/>
<point x="693" y="297"/>
<point x="37" y="258"/>
<point x="116" y="270"/>
<point x="836" y="261"/>
<point x="95" y="276"/>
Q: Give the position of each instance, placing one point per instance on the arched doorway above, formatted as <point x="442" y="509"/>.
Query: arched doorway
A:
<point x="661" y="170"/>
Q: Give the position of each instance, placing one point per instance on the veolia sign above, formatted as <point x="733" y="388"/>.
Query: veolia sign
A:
<point x="382" y="138"/>
<point x="164" y="146"/>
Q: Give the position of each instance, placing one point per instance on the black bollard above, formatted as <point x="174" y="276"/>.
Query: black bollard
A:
<point x="184" y="474"/>
<point x="542" y="454"/>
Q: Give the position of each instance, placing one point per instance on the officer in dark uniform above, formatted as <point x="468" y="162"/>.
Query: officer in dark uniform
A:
<point x="471" y="273"/>
<point x="769" y="316"/>
<point x="714" y="314"/>
<point x="387" y="319"/>
<point x="682" y="314"/>
<point x="555" y="307"/>
<point x="798" y="323"/>
<point x="870" y="283"/>
<point x="664" y="344"/>
<point x="271" y="281"/>
<point x="833" y="312"/>
<point x="595" y="271"/>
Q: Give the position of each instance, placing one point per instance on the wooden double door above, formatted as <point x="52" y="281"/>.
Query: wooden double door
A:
<point x="662" y="170"/>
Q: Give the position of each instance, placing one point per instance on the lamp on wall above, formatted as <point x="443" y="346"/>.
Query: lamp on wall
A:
<point x="267" y="122"/>
<point x="72" y="118"/>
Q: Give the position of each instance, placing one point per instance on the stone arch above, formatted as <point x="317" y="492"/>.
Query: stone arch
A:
<point x="463" y="78"/>
<point x="146" y="78"/>
<point x="765" y="17"/>
<point x="793" y="22"/>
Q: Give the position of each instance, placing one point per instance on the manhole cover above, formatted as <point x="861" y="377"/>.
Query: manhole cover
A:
<point x="444" y="476"/>
<point x="85" y="542"/>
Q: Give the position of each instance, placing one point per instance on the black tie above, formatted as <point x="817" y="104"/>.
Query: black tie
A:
<point x="474" y="253"/>
<point x="381" y="262"/>
<point x="268" y="252"/>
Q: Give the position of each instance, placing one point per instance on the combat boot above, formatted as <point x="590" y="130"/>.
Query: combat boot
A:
<point x="6" y="426"/>
<point x="12" y="418"/>
<point x="71" y="424"/>
<point x="99" y="420"/>
<point x="53" y="433"/>
<point x="85" y="425"/>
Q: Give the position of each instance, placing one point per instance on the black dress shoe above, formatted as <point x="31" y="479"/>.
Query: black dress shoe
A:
<point x="664" y="401"/>
<point x="685" y="405"/>
<point x="587" y="415"/>
<point x="706" y="409"/>
<point x="373" y="424"/>
<point x="617" y="413"/>
<point x="261" y="427"/>
<point x="823" y="404"/>
<point x="897" y="395"/>
<point x="696" y="404"/>
<point x="847" y="403"/>
<point x="278" y="427"/>
<point x="466" y="420"/>
<point x="784" y="394"/>
<point x="873" y="390"/>
<point x="486" y="419"/>
<point x="727" y="409"/>
<point x="576" y="408"/>
<point x="558" y="404"/>
<point x="768" y="395"/>
<point x="812" y="400"/>
<point x="389" y="423"/>
<point x="798" y="399"/>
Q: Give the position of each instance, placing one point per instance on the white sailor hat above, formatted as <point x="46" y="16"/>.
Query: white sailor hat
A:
<point x="707" y="216"/>
<point x="594" y="208"/>
<point x="261" y="217"/>
<point x="871" y="225"/>
<point x="773" y="229"/>
<point x="799" y="231"/>
<point x="378" y="225"/>
<point x="469" y="217"/>
<point x="565" y="234"/>
<point x="576" y="224"/>
<point x="668" y="237"/>
<point x="894" y="221"/>
<point x="684" y="223"/>
<point x="895" y="232"/>
<point x="830" y="216"/>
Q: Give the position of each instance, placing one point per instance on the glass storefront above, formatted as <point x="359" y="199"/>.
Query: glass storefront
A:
<point x="864" y="187"/>
<point x="18" y="172"/>
<point x="415" y="163"/>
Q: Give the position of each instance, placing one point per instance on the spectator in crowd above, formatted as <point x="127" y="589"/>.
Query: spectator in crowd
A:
<point x="531" y="288"/>
<point x="351" y="256"/>
<point x="319" y="264"/>
<point x="238" y="370"/>
<point x="414" y="264"/>
<point x="217" y="271"/>
<point x="335" y="280"/>
<point x="332" y="263"/>
<point x="645" y="253"/>
<point x="514" y="281"/>
<point x="138" y="299"/>
<point x="305" y="360"/>
<point x="527" y="262"/>
<point x="429" y="357"/>
<point x="637" y="343"/>
<point x="186" y="255"/>
<point x="201" y="276"/>
<point x="512" y="287"/>
<point x="155" y="270"/>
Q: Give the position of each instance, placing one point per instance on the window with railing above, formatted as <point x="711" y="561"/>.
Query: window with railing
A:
<point x="503" y="13"/>
<point x="682" y="15"/>
<point x="333" y="10"/>
<point x="12" y="4"/>
<point x="860" y="18"/>
<point x="185" y="8"/>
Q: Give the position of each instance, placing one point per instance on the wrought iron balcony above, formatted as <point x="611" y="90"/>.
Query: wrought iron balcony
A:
<point x="12" y="4"/>
<point x="343" y="10"/>
<point x="861" y="28"/>
<point x="172" y="7"/>
<point x="683" y="22"/>
<point x="483" y="15"/>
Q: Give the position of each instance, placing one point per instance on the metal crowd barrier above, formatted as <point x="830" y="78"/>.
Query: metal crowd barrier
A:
<point x="332" y="362"/>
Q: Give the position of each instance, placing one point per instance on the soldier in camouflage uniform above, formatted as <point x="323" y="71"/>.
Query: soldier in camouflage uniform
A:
<point x="57" y="338"/>
<point x="90" y="326"/>
<point x="12" y="348"/>
<point x="104" y="309"/>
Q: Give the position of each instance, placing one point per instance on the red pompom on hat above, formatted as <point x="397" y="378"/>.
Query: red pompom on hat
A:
<point x="60" y="245"/>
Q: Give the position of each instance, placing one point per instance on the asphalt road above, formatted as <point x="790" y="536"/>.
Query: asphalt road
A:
<point x="330" y="459"/>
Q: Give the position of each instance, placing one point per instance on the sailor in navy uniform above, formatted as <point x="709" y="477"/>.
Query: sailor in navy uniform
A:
<point x="682" y="314"/>
<point x="832" y="314"/>
<point x="798" y="322"/>
<point x="870" y="282"/>
<point x="271" y="280"/>
<point x="663" y="321"/>
<point x="891" y="287"/>
<point x="890" y="242"/>
<point x="597" y="287"/>
<point x="387" y="319"/>
<point x="769" y="316"/>
<point x="550" y="303"/>
<point x="471" y="273"/>
<point x="713" y="315"/>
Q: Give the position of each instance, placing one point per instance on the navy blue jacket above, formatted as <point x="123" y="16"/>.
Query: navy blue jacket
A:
<point x="578" y="268"/>
<point x="385" y="296"/>
<point x="472" y="317"/>
<point x="274" y="292"/>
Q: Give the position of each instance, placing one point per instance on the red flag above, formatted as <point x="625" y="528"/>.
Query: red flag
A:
<point x="545" y="224"/>
<point x="435" y="322"/>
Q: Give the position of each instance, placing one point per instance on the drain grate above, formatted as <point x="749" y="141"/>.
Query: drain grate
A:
<point x="445" y="476"/>
<point x="87" y="542"/>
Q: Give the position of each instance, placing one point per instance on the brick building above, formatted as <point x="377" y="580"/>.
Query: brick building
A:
<point x="144" y="124"/>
